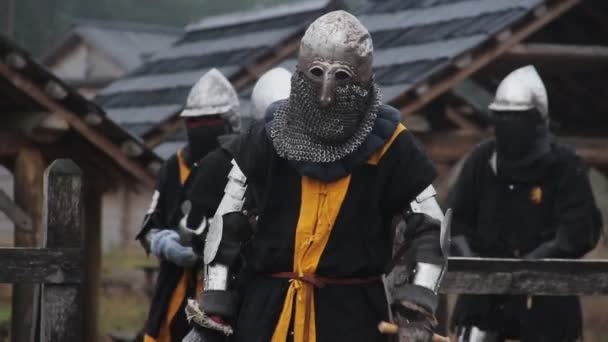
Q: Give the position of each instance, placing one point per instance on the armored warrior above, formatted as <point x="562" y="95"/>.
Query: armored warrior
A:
<point x="210" y="114"/>
<point x="273" y="85"/>
<point x="302" y="235"/>
<point x="522" y="195"/>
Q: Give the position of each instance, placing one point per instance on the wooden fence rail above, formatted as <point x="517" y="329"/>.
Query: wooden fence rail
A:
<point x="557" y="277"/>
<point x="58" y="265"/>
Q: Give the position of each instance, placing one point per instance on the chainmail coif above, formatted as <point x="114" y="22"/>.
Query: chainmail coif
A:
<point x="301" y="130"/>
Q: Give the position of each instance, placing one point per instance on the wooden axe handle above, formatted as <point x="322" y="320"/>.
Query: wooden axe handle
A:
<point x="388" y="328"/>
<point x="439" y="338"/>
<point x="392" y="329"/>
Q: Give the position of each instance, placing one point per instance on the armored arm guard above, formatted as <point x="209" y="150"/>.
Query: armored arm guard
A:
<point x="424" y="223"/>
<point x="420" y="260"/>
<point x="150" y="224"/>
<point x="225" y="234"/>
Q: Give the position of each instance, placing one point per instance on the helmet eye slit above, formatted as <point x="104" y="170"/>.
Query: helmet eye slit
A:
<point x="342" y="75"/>
<point x="316" y="71"/>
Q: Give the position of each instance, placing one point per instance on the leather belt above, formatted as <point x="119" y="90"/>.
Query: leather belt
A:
<point x="320" y="282"/>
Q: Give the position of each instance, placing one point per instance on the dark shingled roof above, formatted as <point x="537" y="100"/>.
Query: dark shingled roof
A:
<point x="22" y="76"/>
<point x="158" y="89"/>
<point x="127" y="44"/>
<point x="415" y="39"/>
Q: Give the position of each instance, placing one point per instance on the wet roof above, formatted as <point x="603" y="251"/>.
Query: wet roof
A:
<point x="127" y="44"/>
<point x="157" y="90"/>
<point x="23" y="81"/>
<point x="413" y="40"/>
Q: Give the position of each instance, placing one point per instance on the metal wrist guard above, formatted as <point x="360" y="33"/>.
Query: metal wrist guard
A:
<point x="225" y="233"/>
<point x="429" y="275"/>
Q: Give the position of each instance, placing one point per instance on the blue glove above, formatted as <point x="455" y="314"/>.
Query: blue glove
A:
<point x="165" y="244"/>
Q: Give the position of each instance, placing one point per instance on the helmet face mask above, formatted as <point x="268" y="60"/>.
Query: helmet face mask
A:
<point x="518" y="132"/>
<point x="336" y="50"/>
<point x="328" y="75"/>
<point x="334" y="102"/>
<point x="531" y="116"/>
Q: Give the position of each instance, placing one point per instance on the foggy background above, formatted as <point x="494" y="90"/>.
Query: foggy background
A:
<point x="36" y="24"/>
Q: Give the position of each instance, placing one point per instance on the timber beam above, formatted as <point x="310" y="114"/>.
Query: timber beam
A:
<point x="450" y="147"/>
<point x="556" y="57"/>
<point x="555" y="277"/>
<point x="464" y="66"/>
<point x="14" y="212"/>
<point x="41" y="265"/>
<point x="46" y="98"/>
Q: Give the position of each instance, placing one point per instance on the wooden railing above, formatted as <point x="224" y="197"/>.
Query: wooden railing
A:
<point x="57" y="266"/>
<point x="556" y="277"/>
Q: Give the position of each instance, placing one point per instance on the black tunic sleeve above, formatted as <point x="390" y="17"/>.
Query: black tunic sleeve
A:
<point x="411" y="172"/>
<point x="207" y="187"/>
<point x="251" y="151"/>
<point x="157" y="217"/>
<point x="462" y="199"/>
<point x="575" y="214"/>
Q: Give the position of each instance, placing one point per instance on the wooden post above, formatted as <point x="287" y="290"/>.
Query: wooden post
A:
<point x="14" y="213"/>
<point x="442" y="316"/>
<point x="62" y="304"/>
<point x="125" y="217"/>
<point x="29" y="167"/>
<point x="92" y="255"/>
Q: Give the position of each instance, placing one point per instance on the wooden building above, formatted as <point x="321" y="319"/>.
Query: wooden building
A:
<point x="438" y="61"/>
<point x="93" y="53"/>
<point x="42" y="119"/>
<point x="241" y="45"/>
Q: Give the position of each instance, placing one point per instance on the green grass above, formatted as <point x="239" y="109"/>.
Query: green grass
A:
<point x="122" y="313"/>
<point x="5" y="310"/>
<point x="129" y="258"/>
<point x="124" y="309"/>
<point x="5" y="302"/>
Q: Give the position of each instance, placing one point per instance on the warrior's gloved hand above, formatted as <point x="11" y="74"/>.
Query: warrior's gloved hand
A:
<point x="166" y="244"/>
<point x="414" y="298"/>
<point x="416" y="324"/>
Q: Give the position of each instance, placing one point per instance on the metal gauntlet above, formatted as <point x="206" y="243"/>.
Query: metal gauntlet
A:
<point x="419" y="262"/>
<point x="427" y="220"/>
<point x="228" y="229"/>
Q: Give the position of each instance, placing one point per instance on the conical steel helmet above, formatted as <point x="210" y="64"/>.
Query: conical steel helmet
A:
<point x="522" y="90"/>
<point x="213" y="94"/>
